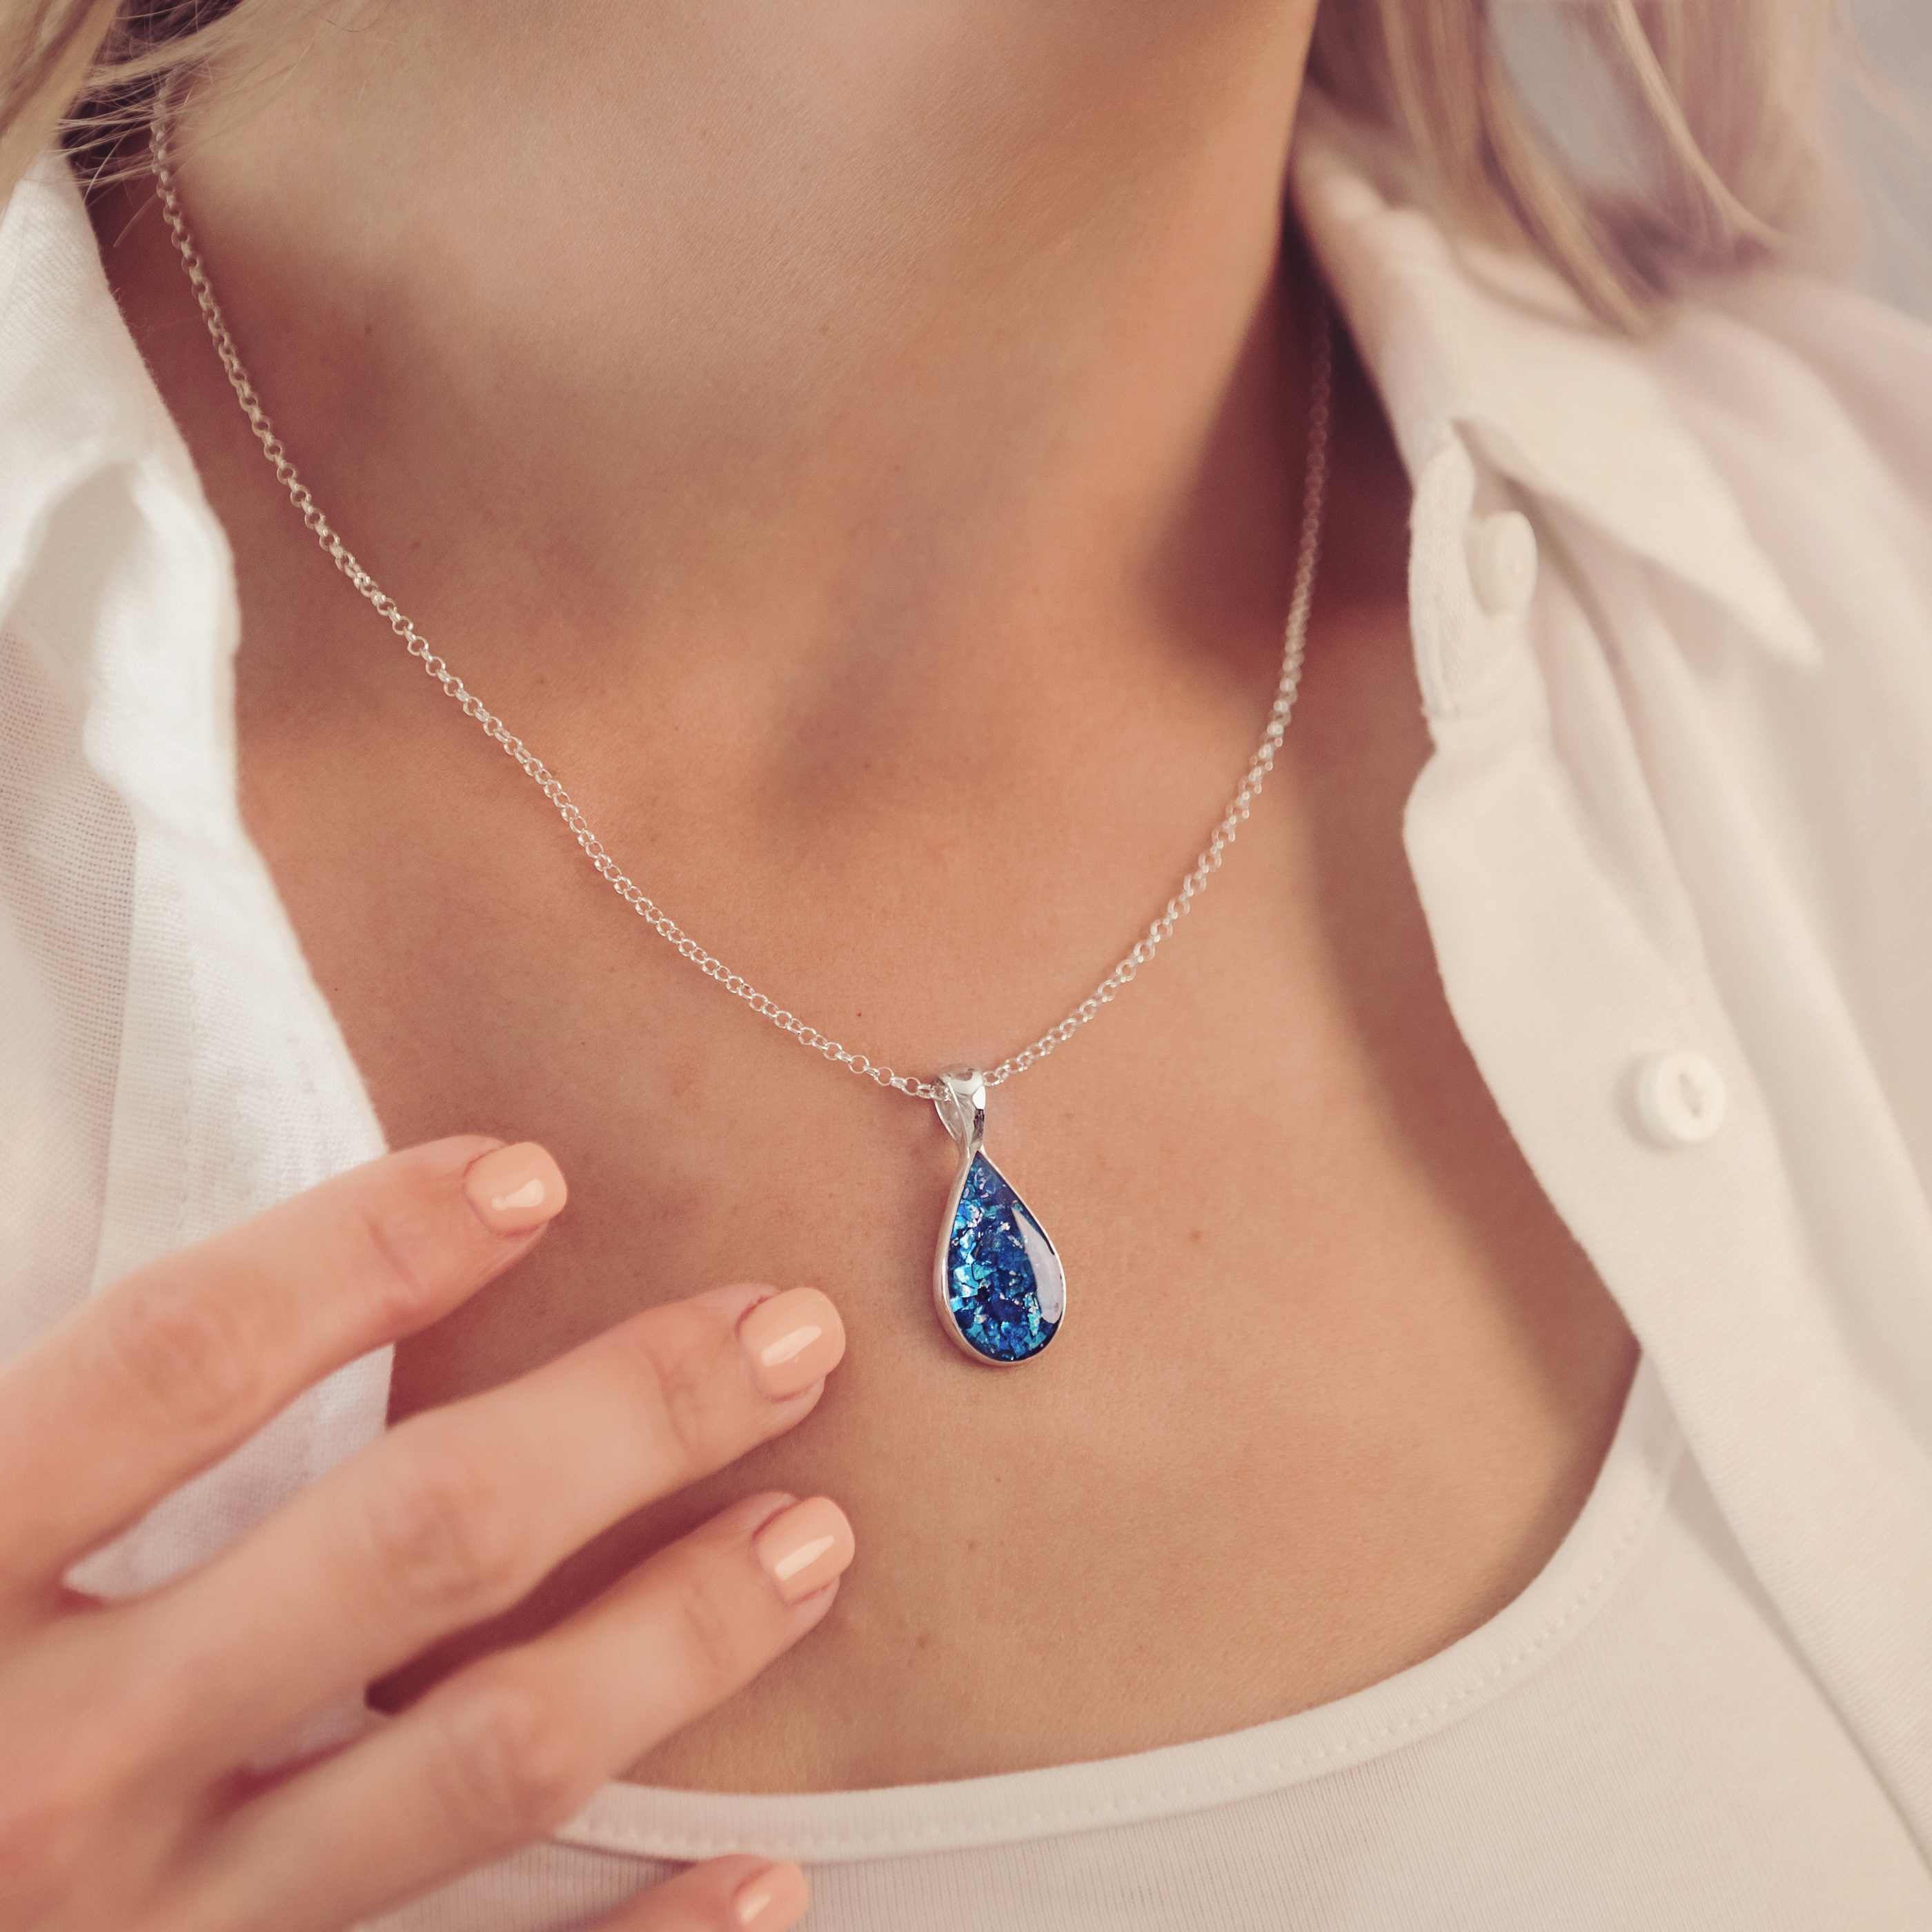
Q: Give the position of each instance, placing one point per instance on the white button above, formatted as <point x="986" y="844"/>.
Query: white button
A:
<point x="1680" y="1098"/>
<point x="1502" y="562"/>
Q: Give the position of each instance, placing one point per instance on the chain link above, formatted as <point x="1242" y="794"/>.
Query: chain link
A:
<point x="1308" y="556"/>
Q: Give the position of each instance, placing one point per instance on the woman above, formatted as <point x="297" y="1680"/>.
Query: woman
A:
<point x="1426" y="1424"/>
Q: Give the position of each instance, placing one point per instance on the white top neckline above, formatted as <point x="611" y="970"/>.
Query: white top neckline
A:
<point x="1624" y="1500"/>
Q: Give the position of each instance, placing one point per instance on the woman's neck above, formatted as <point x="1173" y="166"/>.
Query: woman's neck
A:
<point x="801" y="331"/>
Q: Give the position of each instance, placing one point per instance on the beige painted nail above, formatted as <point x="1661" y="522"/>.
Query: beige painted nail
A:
<point x="792" y="1338"/>
<point x="515" y="1189"/>
<point x="805" y="1546"/>
<point x="771" y="1899"/>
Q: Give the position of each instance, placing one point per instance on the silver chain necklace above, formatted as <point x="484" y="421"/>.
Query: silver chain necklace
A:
<point x="998" y="1284"/>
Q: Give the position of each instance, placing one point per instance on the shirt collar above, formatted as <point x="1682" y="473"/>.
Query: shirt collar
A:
<point x="107" y="537"/>
<point x="1459" y="343"/>
<point x="1462" y="341"/>
<point x="76" y="398"/>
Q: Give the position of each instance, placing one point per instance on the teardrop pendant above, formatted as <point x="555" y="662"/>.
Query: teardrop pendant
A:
<point x="996" y="1281"/>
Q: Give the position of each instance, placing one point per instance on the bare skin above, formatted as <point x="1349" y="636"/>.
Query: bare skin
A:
<point x="872" y="484"/>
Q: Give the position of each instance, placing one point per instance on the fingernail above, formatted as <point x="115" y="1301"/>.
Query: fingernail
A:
<point x="515" y="1189"/>
<point x="792" y="1339"/>
<point x="803" y="1548"/>
<point x="771" y="1899"/>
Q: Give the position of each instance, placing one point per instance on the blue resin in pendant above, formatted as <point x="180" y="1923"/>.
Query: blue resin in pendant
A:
<point x="998" y="1281"/>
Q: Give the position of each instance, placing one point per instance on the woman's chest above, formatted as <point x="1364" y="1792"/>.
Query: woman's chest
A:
<point x="1334" y="1380"/>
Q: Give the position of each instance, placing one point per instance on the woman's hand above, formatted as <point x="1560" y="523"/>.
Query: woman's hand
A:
<point x="126" y="1729"/>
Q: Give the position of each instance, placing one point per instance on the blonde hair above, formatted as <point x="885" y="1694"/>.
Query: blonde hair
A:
<point x="1717" y="100"/>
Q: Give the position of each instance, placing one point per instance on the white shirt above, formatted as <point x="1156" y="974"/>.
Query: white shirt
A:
<point x="1672" y="613"/>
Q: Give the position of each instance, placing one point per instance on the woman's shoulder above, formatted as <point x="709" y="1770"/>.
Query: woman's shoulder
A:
<point x="1809" y="407"/>
<point x="1729" y="653"/>
<point x="1813" y="403"/>
<point x="1771" y="419"/>
<point x="1756" y="467"/>
<point x="1798" y="352"/>
<point x="1772" y="659"/>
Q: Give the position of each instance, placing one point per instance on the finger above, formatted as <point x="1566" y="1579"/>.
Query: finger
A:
<point x="460" y="1512"/>
<point x="738" y="1894"/>
<point x="504" y="1751"/>
<point x="176" y="1364"/>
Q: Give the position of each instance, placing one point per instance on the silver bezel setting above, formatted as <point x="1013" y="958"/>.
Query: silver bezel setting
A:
<point x="961" y="1104"/>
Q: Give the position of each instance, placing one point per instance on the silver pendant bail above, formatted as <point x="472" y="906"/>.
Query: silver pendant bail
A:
<point x="961" y="1103"/>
